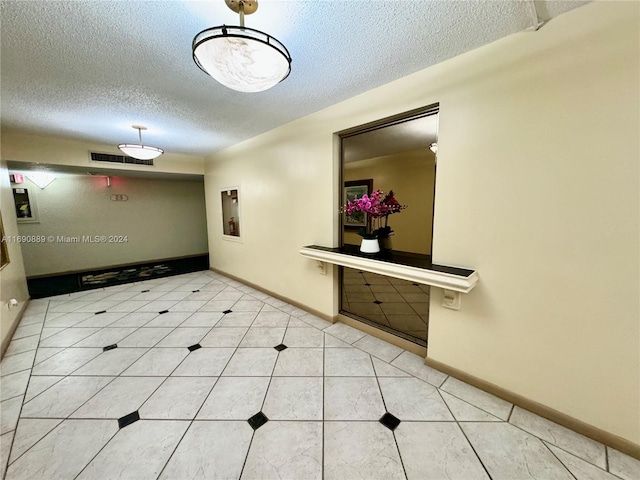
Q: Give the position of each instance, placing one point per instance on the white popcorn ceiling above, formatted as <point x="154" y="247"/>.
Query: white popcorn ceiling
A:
<point x="89" y="69"/>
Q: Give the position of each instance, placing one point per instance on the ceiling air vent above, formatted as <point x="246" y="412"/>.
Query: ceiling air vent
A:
<point x="106" y="157"/>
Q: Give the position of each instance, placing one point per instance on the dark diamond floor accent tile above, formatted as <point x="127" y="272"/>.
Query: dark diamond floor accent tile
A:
<point x="389" y="421"/>
<point x="415" y="284"/>
<point x="194" y="347"/>
<point x="258" y="420"/>
<point x="280" y="347"/>
<point x="144" y="291"/>
<point x="109" y="347"/>
<point x="128" y="419"/>
<point x="195" y="291"/>
<point x="101" y="312"/>
<point x="227" y="311"/>
<point x="367" y="284"/>
<point x="163" y="312"/>
<point x="377" y="302"/>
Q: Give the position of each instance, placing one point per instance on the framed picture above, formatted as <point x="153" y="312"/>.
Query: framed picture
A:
<point x="352" y="190"/>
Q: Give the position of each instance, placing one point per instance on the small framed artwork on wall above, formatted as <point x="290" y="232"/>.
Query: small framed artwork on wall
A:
<point x="356" y="189"/>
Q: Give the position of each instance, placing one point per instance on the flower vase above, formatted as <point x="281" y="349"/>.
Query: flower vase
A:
<point x="369" y="245"/>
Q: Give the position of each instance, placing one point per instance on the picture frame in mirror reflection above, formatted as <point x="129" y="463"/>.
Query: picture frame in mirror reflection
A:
<point x="356" y="189"/>
<point x="230" y="202"/>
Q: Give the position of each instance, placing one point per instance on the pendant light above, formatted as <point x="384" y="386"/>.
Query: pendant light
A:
<point x="241" y="58"/>
<point x="141" y="152"/>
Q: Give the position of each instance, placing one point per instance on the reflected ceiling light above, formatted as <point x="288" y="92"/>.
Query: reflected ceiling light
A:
<point x="41" y="178"/>
<point x="141" y="152"/>
<point x="241" y="58"/>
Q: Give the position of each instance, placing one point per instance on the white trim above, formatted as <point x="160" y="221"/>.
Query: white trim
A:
<point x="457" y="283"/>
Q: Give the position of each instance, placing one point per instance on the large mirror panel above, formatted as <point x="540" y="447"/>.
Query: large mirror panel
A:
<point x="401" y="157"/>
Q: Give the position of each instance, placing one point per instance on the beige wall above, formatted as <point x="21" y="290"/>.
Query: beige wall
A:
<point x="538" y="170"/>
<point x="25" y="147"/>
<point x="411" y="176"/>
<point x="12" y="276"/>
<point x="161" y="219"/>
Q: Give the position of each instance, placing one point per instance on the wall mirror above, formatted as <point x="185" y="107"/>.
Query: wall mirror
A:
<point x="230" y="213"/>
<point x="399" y="155"/>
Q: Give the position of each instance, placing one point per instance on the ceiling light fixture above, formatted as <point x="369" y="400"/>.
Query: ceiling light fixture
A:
<point x="141" y="152"/>
<point x="241" y="58"/>
<point x="434" y="147"/>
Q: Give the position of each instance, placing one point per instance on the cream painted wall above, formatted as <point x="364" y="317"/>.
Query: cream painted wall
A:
<point x="25" y="147"/>
<point x="538" y="181"/>
<point x="411" y="176"/>
<point x="161" y="219"/>
<point x="12" y="276"/>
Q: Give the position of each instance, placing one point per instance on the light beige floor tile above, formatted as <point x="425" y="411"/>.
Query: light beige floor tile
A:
<point x="347" y="362"/>
<point x="105" y="337"/>
<point x="303" y="337"/>
<point x="145" y="337"/>
<point x="235" y="398"/>
<point x="14" y="385"/>
<point x="66" y="361"/>
<point x="570" y="441"/>
<point x="360" y="450"/>
<point x="263" y="337"/>
<point x="184" y="337"/>
<point x="623" y="465"/>
<point x="300" y="362"/>
<point x="112" y="362"/>
<point x="224" y="337"/>
<point x="30" y="431"/>
<point x="414" y="364"/>
<point x="509" y="453"/>
<point x="413" y="399"/>
<point x="121" y="397"/>
<point x="64" y="452"/>
<point x="437" y="450"/>
<point x="9" y="412"/>
<point x="64" y="397"/>
<point x="138" y="451"/>
<point x="483" y="400"/>
<point x="204" y="362"/>
<point x="352" y="398"/>
<point x="178" y="398"/>
<point x="378" y="348"/>
<point x="251" y="362"/>
<point x="210" y="450"/>
<point x="17" y="363"/>
<point x="294" y="398"/>
<point x="465" y="412"/>
<point x="39" y="384"/>
<point x="271" y="318"/>
<point x="344" y="332"/>
<point x="157" y="362"/>
<point x="202" y="319"/>
<point x="285" y="450"/>
<point x="579" y="468"/>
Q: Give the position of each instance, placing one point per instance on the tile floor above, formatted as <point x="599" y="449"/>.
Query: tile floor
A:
<point x="199" y="376"/>
<point x="390" y="302"/>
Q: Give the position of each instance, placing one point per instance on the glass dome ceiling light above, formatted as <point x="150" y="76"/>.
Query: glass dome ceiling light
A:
<point x="241" y="58"/>
<point x="141" y="152"/>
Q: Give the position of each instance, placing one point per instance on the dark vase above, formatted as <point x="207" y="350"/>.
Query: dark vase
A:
<point x="385" y="243"/>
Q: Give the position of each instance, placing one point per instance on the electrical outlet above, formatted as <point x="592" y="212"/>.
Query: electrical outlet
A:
<point x="451" y="299"/>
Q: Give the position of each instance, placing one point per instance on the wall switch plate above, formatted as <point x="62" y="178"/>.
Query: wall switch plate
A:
<point x="451" y="299"/>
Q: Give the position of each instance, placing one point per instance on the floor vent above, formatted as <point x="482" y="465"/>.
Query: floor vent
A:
<point x="106" y="157"/>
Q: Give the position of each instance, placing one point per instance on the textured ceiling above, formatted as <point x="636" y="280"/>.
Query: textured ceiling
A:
<point x="89" y="69"/>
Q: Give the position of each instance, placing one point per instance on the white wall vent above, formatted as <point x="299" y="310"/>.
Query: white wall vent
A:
<point x="106" y="157"/>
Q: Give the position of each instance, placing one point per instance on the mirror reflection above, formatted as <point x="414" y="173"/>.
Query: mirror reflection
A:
<point x="398" y="158"/>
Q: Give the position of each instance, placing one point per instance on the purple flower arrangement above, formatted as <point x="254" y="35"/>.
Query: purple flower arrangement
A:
<point x="377" y="206"/>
